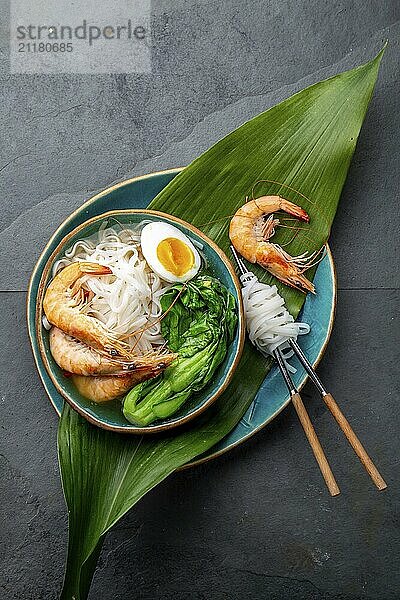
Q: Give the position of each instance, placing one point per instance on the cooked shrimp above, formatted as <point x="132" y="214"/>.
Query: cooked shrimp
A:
<point x="103" y="389"/>
<point x="63" y="303"/>
<point x="78" y="358"/>
<point x="249" y="233"/>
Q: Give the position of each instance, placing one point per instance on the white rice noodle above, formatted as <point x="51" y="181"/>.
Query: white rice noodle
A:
<point x="127" y="301"/>
<point x="269" y="323"/>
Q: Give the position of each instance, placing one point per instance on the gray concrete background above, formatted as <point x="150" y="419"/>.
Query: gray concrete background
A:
<point x="257" y="523"/>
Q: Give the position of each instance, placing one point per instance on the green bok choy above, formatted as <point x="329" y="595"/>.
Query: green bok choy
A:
<point x="199" y="323"/>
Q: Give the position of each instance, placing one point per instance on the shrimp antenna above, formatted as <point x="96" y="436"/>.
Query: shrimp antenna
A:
<point x="296" y="233"/>
<point x="126" y="227"/>
<point x="139" y="332"/>
<point x="215" y="221"/>
<point x="283" y="185"/>
<point x="110" y="221"/>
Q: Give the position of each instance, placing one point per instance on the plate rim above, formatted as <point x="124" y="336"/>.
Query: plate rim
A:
<point x="132" y="429"/>
<point x="107" y="190"/>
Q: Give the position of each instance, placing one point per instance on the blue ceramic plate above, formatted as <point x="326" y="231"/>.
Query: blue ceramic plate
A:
<point x="108" y="415"/>
<point x="272" y="397"/>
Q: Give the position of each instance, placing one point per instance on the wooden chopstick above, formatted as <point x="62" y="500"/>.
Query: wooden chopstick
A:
<point x="354" y="442"/>
<point x="308" y="427"/>
<point x="315" y="445"/>
<point x="343" y="423"/>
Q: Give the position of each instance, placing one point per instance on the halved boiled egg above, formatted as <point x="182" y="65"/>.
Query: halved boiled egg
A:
<point x="169" y="252"/>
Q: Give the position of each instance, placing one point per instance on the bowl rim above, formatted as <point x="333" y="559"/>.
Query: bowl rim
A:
<point x="39" y="333"/>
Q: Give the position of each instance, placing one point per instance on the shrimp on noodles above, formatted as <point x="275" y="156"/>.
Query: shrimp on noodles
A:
<point x="78" y="358"/>
<point x="103" y="388"/>
<point x="63" y="303"/>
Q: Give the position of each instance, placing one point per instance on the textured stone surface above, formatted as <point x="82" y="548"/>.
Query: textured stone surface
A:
<point x="256" y="523"/>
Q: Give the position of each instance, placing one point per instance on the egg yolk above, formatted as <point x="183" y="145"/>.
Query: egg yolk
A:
<point x="175" y="256"/>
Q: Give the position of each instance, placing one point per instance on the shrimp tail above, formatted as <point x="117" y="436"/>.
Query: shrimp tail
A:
<point x="95" y="269"/>
<point x="294" y="210"/>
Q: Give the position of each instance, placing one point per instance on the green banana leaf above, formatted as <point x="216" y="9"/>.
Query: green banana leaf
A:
<point x="305" y="142"/>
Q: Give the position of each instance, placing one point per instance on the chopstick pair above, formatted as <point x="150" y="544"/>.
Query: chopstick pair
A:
<point x="332" y="406"/>
<point x="308" y="427"/>
<point x="341" y="420"/>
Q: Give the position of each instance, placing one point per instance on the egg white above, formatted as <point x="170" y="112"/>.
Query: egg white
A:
<point x="152" y="235"/>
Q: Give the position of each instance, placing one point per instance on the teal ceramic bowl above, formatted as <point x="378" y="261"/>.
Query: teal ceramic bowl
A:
<point x="272" y="397"/>
<point x="108" y="415"/>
